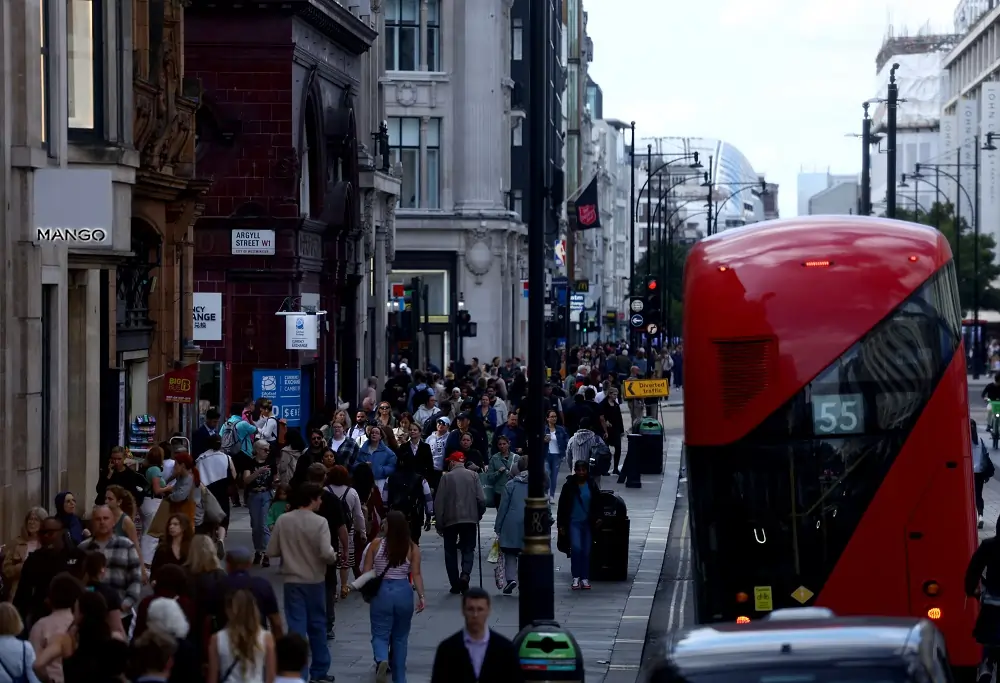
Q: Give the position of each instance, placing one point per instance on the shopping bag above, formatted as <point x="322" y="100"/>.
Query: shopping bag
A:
<point x="499" y="573"/>
<point x="494" y="551"/>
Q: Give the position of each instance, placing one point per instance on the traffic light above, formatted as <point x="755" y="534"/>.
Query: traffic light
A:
<point x="651" y="292"/>
<point x="466" y="328"/>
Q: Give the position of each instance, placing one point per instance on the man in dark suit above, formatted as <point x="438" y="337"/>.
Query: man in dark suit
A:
<point x="476" y="654"/>
<point x="199" y="442"/>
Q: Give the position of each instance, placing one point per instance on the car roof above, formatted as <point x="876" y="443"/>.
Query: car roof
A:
<point x="841" y="639"/>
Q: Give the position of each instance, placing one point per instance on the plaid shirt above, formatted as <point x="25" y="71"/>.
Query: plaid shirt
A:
<point x="348" y="452"/>
<point x="124" y="572"/>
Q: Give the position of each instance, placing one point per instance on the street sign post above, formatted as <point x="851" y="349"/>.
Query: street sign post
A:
<point x="647" y="388"/>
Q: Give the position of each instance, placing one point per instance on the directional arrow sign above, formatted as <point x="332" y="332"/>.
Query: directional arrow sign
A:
<point x="647" y="388"/>
<point x="636" y="320"/>
<point x="652" y="328"/>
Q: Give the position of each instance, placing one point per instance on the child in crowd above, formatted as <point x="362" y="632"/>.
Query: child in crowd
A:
<point x="279" y="505"/>
<point x="292" y="653"/>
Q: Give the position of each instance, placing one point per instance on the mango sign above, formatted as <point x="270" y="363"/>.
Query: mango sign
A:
<point x="180" y="386"/>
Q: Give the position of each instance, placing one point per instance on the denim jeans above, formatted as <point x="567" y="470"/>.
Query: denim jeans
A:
<point x="305" y="612"/>
<point x="258" y="502"/>
<point x="459" y="537"/>
<point x="552" y="463"/>
<point x="391" y="613"/>
<point x="580" y="541"/>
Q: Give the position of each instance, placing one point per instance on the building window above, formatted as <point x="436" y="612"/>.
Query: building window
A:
<point x="516" y="202"/>
<point x="434" y="35"/>
<point x="402" y="31"/>
<point x="573" y="97"/>
<point x="43" y="7"/>
<point x="517" y="41"/>
<point x="82" y="29"/>
<point x="517" y="134"/>
<point x="404" y="143"/>
<point x="433" y="165"/>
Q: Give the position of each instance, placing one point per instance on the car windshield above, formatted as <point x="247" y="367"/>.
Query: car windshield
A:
<point x="821" y="672"/>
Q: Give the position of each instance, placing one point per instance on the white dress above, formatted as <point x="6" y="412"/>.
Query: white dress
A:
<point x="253" y="673"/>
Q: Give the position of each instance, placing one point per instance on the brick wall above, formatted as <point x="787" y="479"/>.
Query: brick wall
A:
<point x="245" y="67"/>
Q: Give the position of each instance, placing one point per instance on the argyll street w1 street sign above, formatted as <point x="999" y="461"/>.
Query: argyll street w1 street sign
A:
<point x="636" y="320"/>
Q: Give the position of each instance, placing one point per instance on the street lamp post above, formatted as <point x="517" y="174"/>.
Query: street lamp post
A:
<point x="890" y="158"/>
<point x="536" y="567"/>
<point x="866" y="163"/>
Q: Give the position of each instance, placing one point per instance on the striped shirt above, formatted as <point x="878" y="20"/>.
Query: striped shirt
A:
<point x="124" y="572"/>
<point x="382" y="559"/>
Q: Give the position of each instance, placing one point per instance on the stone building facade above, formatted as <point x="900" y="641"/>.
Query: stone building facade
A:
<point x="284" y="136"/>
<point x="68" y="164"/>
<point x="154" y="285"/>
<point x="448" y="101"/>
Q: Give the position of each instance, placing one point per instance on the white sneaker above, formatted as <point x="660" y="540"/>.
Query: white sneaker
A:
<point x="585" y="584"/>
<point x="980" y="521"/>
<point x="575" y="585"/>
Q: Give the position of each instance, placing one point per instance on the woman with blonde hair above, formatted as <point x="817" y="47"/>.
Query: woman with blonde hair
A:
<point x="123" y="511"/>
<point x="205" y="582"/>
<point x="242" y="652"/>
<point x="18" y="550"/>
<point x="17" y="657"/>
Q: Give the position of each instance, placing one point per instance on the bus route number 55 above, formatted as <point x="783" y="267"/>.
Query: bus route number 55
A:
<point x="838" y="414"/>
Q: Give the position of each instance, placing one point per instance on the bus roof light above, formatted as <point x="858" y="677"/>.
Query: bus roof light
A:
<point x="934" y="613"/>
<point x="723" y="269"/>
<point x="817" y="264"/>
<point x="742" y="620"/>
<point x="913" y="259"/>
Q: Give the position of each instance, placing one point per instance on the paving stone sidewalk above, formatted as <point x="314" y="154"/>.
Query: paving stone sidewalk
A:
<point x="609" y="621"/>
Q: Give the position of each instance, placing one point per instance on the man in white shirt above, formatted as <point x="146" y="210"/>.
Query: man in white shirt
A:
<point x="358" y="430"/>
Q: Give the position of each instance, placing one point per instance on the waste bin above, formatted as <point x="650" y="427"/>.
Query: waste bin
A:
<point x="650" y="443"/>
<point x="609" y="552"/>
<point x="548" y="652"/>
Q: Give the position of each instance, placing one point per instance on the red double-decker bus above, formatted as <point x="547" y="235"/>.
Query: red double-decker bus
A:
<point x="827" y="424"/>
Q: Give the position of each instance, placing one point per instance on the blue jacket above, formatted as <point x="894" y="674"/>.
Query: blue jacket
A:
<point x="509" y="524"/>
<point x="382" y="459"/>
<point x="562" y="439"/>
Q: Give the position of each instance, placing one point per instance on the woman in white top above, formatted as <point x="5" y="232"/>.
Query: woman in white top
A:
<point x="338" y="483"/>
<point x="242" y="652"/>
<point x="267" y="424"/>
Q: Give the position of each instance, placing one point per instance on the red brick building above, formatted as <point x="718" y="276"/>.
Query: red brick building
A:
<point x="278" y="135"/>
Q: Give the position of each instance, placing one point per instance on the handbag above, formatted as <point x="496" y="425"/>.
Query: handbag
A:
<point x="562" y="543"/>
<point x="500" y="573"/>
<point x="213" y="511"/>
<point x="371" y="589"/>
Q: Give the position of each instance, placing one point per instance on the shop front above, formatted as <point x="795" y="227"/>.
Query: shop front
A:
<point x="436" y="272"/>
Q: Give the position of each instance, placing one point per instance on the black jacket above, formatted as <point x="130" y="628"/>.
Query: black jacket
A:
<point x="423" y="460"/>
<point x="567" y="499"/>
<point x="39" y="569"/>
<point x="452" y="663"/>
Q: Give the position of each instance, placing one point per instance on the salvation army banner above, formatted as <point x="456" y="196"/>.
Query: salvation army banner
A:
<point x="588" y="214"/>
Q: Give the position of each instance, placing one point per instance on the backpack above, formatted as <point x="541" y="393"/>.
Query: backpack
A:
<point x="232" y="445"/>
<point x="407" y="499"/>
<point x="345" y="508"/>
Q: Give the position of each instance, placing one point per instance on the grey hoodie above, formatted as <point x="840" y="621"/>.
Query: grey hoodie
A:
<point x="580" y="445"/>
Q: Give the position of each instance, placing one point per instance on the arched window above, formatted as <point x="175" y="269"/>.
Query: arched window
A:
<point x="311" y="183"/>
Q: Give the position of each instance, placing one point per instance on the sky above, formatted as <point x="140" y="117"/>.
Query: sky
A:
<point x="782" y="80"/>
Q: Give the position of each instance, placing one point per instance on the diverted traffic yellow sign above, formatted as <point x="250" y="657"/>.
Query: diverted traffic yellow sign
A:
<point x="647" y="388"/>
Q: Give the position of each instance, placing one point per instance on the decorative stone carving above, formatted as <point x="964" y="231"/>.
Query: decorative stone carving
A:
<point x="406" y="94"/>
<point x="376" y="6"/>
<point x="478" y="253"/>
<point x="368" y="224"/>
<point x="389" y="224"/>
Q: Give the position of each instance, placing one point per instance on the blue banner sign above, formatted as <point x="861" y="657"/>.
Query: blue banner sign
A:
<point x="284" y="388"/>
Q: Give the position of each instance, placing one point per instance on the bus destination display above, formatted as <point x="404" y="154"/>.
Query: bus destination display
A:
<point x="835" y="414"/>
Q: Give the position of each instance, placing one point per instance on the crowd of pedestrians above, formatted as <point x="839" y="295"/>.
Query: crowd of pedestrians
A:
<point x="143" y="586"/>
